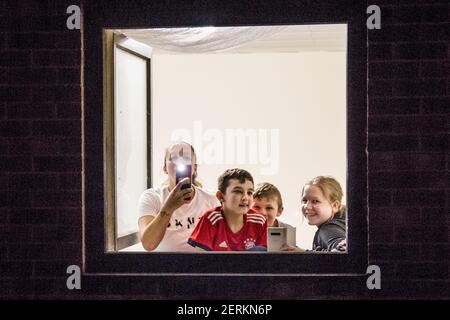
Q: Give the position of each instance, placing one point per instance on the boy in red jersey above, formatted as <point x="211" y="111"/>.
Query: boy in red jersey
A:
<point x="233" y="226"/>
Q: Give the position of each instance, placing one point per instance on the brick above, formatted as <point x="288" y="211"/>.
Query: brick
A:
<point x="35" y="76"/>
<point x="3" y="81"/>
<point x="380" y="88"/>
<point x="34" y="181"/>
<point x="380" y="180"/>
<point x="69" y="76"/>
<point x="429" y="198"/>
<point x="420" y="14"/>
<point x="435" y="216"/>
<point x="57" y="93"/>
<point x="435" y="234"/>
<point x="70" y="146"/>
<point x="395" y="252"/>
<point x="415" y="51"/>
<point x="68" y="40"/>
<point x="56" y="199"/>
<point x="431" y="87"/>
<point x="32" y="40"/>
<point x="408" y="234"/>
<point x="15" y="234"/>
<point x="53" y="146"/>
<point x="31" y="111"/>
<point x="43" y="94"/>
<point x="4" y="145"/>
<point x="380" y="198"/>
<point x="51" y="268"/>
<point x="439" y="105"/>
<point x="384" y="142"/>
<point x="4" y="183"/>
<point x="15" y="94"/>
<point x="4" y="215"/>
<point x="380" y="124"/>
<point x="382" y="234"/>
<point x="422" y="271"/>
<point x="435" y="252"/>
<point x="437" y="142"/>
<point x="35" y="216"/>
<point x="57" y="164"/>
<point x="435" y="32"/>
<point x="393" y="70"/>
<point x="395" y="33"/>
<point x="12" y="269"/>
<point x="30" y="24"/>
<point x="31" y="252"/>
<point x="68" y="111"/>
<point x="68" y="93"/>
<point x="12" y="200"/>
<point x="52" y="233"/>
<point x="341" y="287"/>
<point x="3" y="254"/>
<point x="380" y="51"/>
<point x="14" y="128"/>
<point x="379" y="161"/>
<point x="386" y="106"/>
<point x="70" y="181"/>
<point x="15" y="59"/>
<point x="28" y="8"/>
<point x="56" y="128"/>
<point x="72" y="252"/>
<point x="421" y="124"/>
<point x="42" y="146"/>
<point x="419" y="180"/>
<point x="437" y="69"/>
<point x="394" y="216"/>
<point x="15" y="164"/>
<point x="70" y="217"/>
<point x="69" y="58"/>
<point x="418" y="162"/>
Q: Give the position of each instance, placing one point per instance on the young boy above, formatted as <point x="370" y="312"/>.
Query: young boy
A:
<point x="233" y="226"/>
<point x="267" y="200"/>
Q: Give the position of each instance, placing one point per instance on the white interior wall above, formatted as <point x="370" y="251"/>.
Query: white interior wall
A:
<point x="292" y="107"/>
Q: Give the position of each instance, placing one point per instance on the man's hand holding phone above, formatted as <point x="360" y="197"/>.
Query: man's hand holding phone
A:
<point x="179" y="195"/>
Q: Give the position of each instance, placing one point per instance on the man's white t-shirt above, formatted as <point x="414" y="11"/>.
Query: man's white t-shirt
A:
<point x="183" y="220"/>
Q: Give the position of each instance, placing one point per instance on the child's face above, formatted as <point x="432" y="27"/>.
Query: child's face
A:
<point x="238" y="196"/>
<point x="268" y="207"/>
<point x="316" y="208"/>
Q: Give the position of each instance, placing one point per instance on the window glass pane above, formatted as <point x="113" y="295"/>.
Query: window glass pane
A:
<point x="131" y="137"/>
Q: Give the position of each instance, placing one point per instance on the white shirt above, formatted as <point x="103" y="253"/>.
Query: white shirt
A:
<point x="183" y="220"/>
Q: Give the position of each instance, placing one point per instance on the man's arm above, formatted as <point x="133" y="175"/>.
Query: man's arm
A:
<point x="153" y="228"/>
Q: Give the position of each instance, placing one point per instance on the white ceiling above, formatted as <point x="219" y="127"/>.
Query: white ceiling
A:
<point x="300" y="39"/>
<point x="294" y="38"/>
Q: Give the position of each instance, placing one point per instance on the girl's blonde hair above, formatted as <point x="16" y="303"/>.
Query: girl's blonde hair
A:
<point x="195" y="182"/>
<point x="330" y="188"/>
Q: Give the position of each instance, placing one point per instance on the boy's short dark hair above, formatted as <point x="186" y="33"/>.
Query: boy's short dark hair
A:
<point x="268" y="191"/>
<point x="238" y="174"/>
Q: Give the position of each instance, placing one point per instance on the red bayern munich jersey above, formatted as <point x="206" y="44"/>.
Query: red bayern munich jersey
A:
<point x="213" y="234"/>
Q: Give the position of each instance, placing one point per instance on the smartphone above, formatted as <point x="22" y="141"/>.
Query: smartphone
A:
<point x="182" y="171"/>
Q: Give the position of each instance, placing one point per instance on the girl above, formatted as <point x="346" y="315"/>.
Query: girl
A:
<point x="322" y="207"/>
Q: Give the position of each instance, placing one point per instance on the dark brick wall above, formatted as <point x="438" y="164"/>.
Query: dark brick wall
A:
<point x="40" y="164"/>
